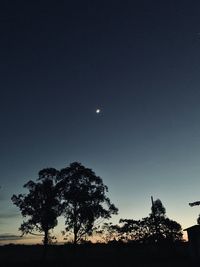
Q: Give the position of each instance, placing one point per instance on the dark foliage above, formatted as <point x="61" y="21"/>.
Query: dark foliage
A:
<point x="84" y="200"/>
<point x="154" y="229"/>
<point x="41" y="205"/>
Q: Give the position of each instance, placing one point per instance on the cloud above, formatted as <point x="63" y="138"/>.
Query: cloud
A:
<point x="5" y="216"/>
<point x="8" y="236"/>
<point x="9" y="215"/>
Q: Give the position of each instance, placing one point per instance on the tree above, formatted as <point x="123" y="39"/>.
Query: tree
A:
<point x="129" y="230"/>
<point x="155" y="228"/>
<point x="41" y="205"/>
<point x="158" y="228"/>
<point x="107" y="232"/>
<point x="84" y="200"/>
<point x="157" y="209"/>
<point x="156" y="219"/>
<point x="173" y="231"/>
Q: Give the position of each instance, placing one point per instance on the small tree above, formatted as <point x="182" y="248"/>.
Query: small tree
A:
<point x="130" y="230"/>
<point x="84" y="200"/>
<point x="156" y="219"/>
<point x="107" y="232"/>
<point x="41" y="205"/>
<point x="155" y="228"/>
<point x="158" y="228"/>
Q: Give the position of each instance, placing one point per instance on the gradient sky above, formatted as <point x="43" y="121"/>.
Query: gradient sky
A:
<point x="139" y="62"/>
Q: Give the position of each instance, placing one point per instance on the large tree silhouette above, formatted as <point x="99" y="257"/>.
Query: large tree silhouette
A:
<point x="84" y="200"/>
<point x="40" y="205"/>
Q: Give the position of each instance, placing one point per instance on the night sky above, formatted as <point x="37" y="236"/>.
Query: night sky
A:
<point x="139" y="62"/>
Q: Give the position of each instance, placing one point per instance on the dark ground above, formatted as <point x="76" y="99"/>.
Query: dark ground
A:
<point x="96" y="255"/>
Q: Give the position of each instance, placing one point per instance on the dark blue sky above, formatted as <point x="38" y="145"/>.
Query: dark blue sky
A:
<point x="136" y="60"/>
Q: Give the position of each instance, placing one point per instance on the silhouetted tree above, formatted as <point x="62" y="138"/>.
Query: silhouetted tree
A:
<point x="84" y="200"/>
<point x="158" y="228"/>
<point x="130" y="230"/>
<point x="157" y="209"/>
<point x="155" y="228"/>
<point x="107" y="232"/>
<point x="156" y="219"/>
<point x="173" y="230"/>
<point x="41" y="205"/>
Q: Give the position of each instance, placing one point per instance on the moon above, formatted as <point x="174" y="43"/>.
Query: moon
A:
<point x="98" y="110"/>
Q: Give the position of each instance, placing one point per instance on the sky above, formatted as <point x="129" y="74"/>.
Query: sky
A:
<point x="138" y="62"/>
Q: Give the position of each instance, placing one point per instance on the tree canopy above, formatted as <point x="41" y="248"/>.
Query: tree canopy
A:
<point x="41" y="204"/>
<point x="155" y="228"/>
<point x="84" y="200"/>
<point x="75" y="192"/>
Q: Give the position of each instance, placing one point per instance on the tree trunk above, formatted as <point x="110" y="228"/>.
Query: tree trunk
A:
<point x="45" y="242"/>
<point x="75" y="236"/>
<point x="75" y="224"/>
<point x="46" y="232"/>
